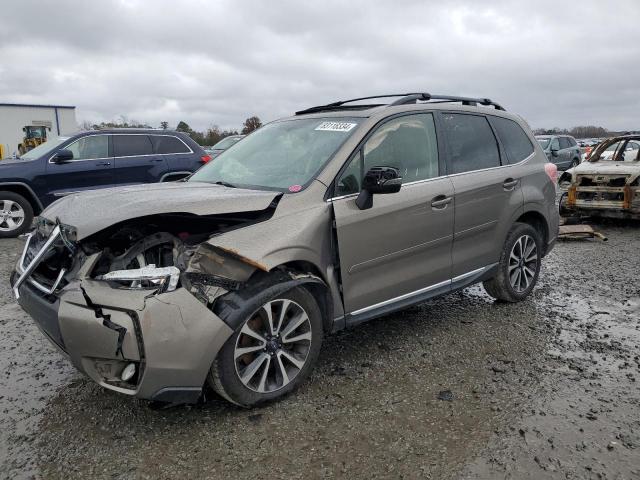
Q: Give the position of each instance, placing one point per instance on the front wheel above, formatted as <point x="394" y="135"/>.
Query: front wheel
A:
<point x="271" y="352"/>
<point x="16" y="214"/>
<point x="519" y="265"/>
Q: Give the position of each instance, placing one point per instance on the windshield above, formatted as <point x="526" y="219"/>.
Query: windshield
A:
<point x="43" y="149"/>
<point x="284" y="155"/>
<point x="225" y="143"/>
<point x="544" y="142"/>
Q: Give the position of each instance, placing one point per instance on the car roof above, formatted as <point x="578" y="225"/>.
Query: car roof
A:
<point x="381" y="111"/>
<point x="156" y="131"/>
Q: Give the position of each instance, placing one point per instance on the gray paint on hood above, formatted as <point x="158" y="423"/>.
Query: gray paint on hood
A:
<point x="92" y="211"/>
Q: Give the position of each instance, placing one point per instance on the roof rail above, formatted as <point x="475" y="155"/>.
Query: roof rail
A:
<point x="405" y="99"/>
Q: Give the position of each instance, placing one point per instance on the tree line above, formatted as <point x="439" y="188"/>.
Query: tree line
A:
<point x="209" y="137"/>
<point x="588" y="131"/>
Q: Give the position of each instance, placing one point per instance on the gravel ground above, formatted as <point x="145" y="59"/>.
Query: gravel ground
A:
<point x="459" y="387"/>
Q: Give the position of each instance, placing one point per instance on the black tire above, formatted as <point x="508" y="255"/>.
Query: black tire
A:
<point x="501" y="286"/>
<point x="224" y="377"/>
<point x="575" y="163"/>
<point x="6" y="230"/>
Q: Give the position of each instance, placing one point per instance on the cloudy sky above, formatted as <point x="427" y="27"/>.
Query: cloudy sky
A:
<point x="556" y="63"/>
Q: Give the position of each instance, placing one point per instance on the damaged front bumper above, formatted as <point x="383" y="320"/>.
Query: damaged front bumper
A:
<point x="170" y="337"/>
<point x="597" y="200"/>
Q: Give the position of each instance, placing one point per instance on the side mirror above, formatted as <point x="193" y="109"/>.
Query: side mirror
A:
<point x="63" y="155"/>
<point x="378" y="180"/>
<point x="554" y="152"/>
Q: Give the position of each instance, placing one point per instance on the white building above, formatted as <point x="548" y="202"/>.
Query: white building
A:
<point x="60" y="119"/>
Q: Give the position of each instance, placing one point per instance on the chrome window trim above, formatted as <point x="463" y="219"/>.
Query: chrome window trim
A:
<point x="190" y="152"/>
<point x="154" y="154"/>
<point x="445" y="176"/>
<point x="493" y="168"/>
<point x="435" y="286"/>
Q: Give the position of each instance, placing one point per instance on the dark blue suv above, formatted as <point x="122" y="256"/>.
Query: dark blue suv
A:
<point x="90" y="160"/>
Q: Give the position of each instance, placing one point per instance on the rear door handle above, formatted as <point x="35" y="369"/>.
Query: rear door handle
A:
<point x="104" y="164"/>
<point x="510" y="184"/>
<point x="440" y="202"/>
<point x="156" y="159"/>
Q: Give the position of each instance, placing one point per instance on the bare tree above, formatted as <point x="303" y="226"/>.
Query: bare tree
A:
<point x="251" y="124"/>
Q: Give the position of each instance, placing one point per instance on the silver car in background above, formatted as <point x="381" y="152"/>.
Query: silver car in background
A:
<point x="337" y="215"/>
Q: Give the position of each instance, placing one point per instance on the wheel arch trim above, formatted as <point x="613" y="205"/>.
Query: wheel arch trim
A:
<point x="35" y="200"/>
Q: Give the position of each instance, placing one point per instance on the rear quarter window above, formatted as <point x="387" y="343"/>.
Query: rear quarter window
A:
<point x="514" y="140"/>
<point x="167" y="144"/>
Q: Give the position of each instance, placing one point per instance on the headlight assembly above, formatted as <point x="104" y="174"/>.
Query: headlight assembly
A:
<point x="147" y="277"/>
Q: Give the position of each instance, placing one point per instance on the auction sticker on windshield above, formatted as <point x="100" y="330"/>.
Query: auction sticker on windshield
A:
<point x="335" y="126"/>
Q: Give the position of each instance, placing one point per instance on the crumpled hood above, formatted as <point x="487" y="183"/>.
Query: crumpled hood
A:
<point x="92" y="211"/>
<point x="606" y="167"/>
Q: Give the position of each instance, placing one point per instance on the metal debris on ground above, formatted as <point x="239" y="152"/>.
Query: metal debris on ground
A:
<point x="579" y="232"/>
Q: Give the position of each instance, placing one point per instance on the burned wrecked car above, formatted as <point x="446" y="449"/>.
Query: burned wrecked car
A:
<point x="314" y="223"/>
<point x="607" y="183"/>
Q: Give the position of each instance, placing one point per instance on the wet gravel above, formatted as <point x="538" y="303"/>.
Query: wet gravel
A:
<point x="459" y="387"/>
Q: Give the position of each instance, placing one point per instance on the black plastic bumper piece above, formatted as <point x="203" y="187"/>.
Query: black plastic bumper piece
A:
<point x="177" y="395"/>
<point x="43" y="312"/>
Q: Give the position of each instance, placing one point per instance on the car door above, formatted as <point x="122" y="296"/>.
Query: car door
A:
<point x="555" y="147"/>
<point x="135" y="160"/>
<point x="484" y="192"/>
<point x="401" y="247"/>
<point x="90" y="168"/>
<point x="565" y="154"/>
<point x="180" y="159"/>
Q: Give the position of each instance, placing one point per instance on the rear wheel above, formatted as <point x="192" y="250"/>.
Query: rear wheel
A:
<point x="574" y="163"/>
<point x="272" y="352"/>
<point x="16" y="214"/>
<point x="519" y="265"/>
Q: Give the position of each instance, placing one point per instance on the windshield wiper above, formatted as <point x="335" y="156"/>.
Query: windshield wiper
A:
<point x="225" y="184"/>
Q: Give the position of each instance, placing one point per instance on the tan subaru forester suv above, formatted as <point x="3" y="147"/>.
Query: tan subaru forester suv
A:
<point x="312" y="224"/>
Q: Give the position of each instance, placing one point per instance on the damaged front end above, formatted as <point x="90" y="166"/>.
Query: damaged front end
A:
<point x="133" y="306"/>
<point x="601" y="194"/>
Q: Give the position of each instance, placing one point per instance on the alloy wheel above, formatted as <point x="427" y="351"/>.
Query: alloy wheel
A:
<point x="273" y="346"/>
<point x="523" y="263"/>
<point x="11" y="215"/>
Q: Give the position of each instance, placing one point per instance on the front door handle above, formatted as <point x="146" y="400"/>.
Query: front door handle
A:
<point x="510" y="184"/>
<point x="440" y="202"/>
<point x="156" y="159"/>
<point x="104" y="164"/>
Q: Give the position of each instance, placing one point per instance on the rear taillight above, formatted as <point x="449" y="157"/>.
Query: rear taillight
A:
<point x="205" y="158"/>
<point x="587" y="151"/>
<point x="552" y="171"/>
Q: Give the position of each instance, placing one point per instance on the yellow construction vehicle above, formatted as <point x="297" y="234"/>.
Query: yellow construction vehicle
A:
<point x="33" y="136"/>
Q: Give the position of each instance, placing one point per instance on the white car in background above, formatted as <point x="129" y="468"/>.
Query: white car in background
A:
<point x="630" y="153"/>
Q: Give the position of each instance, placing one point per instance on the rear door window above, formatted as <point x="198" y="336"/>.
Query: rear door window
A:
<point x="564" y="143"/>
<point x="472" y="144"/>
<point x="515" y="141"/>
<point x="131" y="145"/>
<point x="167" y="144"/>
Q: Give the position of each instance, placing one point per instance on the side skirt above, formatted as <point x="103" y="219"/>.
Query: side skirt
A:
<point x="419" y="296"/>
